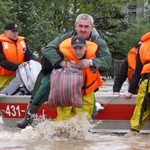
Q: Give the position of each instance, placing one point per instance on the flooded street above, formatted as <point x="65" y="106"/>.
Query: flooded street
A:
<point x="69" y="135"/>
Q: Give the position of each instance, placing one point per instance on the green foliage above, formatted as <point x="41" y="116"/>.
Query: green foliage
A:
<point x="5" y="15"/>
<point x="40" y="21"/>
<point x="147" y="13"/>
<point x="110" y="20"/>
<point x="128" y="39"/>
<point x="27" y="18"/>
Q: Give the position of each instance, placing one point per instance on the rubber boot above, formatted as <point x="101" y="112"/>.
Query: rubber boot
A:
<point x="29" y="116"/>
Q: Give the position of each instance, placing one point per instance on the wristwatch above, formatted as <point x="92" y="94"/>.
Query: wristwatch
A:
<point x="91" y="62"/>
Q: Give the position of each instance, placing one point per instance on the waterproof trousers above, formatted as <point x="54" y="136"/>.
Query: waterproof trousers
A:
<point x="65" y="113"/>
<point x="5" y="80"/>
<point x="134" y="121"/>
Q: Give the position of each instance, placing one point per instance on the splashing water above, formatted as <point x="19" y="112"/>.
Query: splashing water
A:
<point x="76" y="128"/>
<point x="70" y="134"/>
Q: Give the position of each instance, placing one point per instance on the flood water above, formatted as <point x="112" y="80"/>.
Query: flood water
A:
<point x="69" y="135"/>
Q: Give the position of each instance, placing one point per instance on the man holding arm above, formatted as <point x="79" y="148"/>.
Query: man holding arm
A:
<point x="84" y="26"/>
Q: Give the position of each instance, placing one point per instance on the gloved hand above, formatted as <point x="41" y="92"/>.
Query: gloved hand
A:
<point x="127" y="95"/>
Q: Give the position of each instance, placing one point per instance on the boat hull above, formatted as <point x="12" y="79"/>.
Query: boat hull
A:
<point x="114" y="118"/>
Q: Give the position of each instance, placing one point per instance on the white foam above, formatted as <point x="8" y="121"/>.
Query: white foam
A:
<point x="76" y="128"/>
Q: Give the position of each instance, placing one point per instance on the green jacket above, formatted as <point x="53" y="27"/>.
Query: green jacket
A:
<point x="102" y="62"/>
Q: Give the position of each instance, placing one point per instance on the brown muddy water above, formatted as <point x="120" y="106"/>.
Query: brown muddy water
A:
<point x="69" y="135"/>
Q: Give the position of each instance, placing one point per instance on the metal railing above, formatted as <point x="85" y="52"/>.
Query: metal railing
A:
<point x="111" y="72"/>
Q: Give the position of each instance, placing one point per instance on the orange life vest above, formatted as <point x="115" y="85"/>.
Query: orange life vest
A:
<point x="145" y="56"/>
<point x="13" y="52"/>
<point x="131" y="62"/>
<point x="144" y="53"/>
<point x="91" y="80"/>
<point x="145" y="37"/>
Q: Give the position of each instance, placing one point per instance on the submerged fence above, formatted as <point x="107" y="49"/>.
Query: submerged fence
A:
<point x="111" y="72"/>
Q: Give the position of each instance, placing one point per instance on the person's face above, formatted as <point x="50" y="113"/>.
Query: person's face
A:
<point x="11" y="34"/>
<point x="79" y="51"/>
<point x="84" y="28"/>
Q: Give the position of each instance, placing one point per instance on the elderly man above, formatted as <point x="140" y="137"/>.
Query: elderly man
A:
<point x="84" y="26"/>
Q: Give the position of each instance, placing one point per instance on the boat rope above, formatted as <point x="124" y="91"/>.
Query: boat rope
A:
<point x="111" y="101"/>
